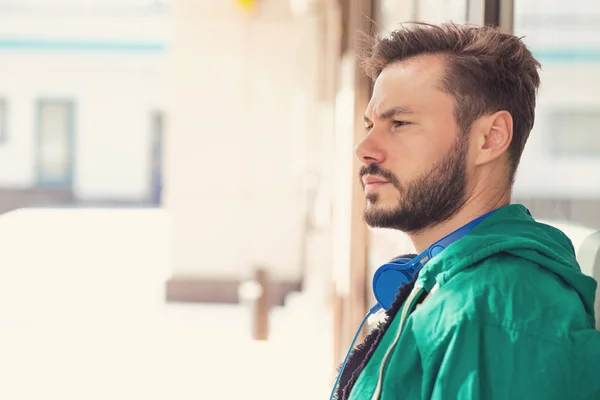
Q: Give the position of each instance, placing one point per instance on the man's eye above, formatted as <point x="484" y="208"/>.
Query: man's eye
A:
<point x="401" y="123"/>
<point x="369" y="127"/>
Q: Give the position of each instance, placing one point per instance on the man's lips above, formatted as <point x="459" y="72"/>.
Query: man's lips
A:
<point x="371" y="183"/>
<point x="370" y="179"/>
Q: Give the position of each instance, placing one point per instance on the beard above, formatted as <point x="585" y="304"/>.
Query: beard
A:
<point x="428" y="200"/>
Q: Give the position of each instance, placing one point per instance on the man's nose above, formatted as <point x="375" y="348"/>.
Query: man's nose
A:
<point x="369" y="151"/>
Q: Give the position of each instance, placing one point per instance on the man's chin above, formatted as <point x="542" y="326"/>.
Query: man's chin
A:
<point x="377" y="216"/>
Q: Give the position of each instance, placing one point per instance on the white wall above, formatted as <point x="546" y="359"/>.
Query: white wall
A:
<point x="17" y="153"/>
<point x="114" y="94"/>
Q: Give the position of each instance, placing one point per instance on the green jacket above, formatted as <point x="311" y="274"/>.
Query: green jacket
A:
<point x="509" y="315"/>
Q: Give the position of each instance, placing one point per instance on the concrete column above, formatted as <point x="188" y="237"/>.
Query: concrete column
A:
<point x="237" y="139"/>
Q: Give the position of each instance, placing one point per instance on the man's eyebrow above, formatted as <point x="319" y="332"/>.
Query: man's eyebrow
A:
<point x="391" y="112"/>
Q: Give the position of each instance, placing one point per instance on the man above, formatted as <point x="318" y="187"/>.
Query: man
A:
<point x="504" y="312"/>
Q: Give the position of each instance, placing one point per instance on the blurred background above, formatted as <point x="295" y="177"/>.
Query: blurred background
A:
<point x="180" y="217"/>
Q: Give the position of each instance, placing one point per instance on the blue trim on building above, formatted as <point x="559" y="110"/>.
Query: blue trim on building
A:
<point x="81" y="46"/>
<point x="567" y="55"/>
<point x="158" y="47"/>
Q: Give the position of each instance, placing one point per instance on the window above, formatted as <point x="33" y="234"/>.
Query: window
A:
<point x="393" y="12"/>
<point x="573" y="133"/>
<point x="3" y="125"/>
<point x="55" y="139"/>
<point x="156" y="140"/>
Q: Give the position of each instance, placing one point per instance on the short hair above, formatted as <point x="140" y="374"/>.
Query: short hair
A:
<point x="488" y="71"/>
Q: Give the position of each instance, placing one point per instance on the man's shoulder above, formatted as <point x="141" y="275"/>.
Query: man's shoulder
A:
<point x="506" y="292"/>
<point x="503" y="279"/>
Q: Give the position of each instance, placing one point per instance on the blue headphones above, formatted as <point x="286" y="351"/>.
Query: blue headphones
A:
<point x="390" y="277"/>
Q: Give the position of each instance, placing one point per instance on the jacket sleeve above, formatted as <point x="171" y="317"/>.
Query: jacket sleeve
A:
<point x="476" y="361"/>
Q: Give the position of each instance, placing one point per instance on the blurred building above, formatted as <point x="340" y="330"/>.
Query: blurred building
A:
<point x="240" y="118"/>
<point x="82" y="102"/>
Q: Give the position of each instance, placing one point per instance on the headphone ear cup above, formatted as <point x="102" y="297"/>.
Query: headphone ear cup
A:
<point x="389" y="278"/>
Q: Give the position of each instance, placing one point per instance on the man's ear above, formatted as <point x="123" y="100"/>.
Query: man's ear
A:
<point x="492" y="136"/>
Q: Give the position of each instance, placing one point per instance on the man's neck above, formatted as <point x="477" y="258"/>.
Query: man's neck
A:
<point x="473" y="209"/>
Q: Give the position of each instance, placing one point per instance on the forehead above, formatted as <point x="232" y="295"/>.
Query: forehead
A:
<point x="414" y="82"/>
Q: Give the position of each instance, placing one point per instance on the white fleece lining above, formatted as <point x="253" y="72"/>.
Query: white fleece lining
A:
<point x="408" y="305"/>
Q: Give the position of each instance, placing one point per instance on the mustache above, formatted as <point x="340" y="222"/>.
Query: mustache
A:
<point x="374" y="169"/>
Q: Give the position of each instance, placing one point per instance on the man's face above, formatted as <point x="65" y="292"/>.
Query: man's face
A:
<point x="414" y="154"/>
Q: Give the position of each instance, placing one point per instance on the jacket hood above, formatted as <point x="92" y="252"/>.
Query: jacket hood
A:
<point x="511" y="229"/>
